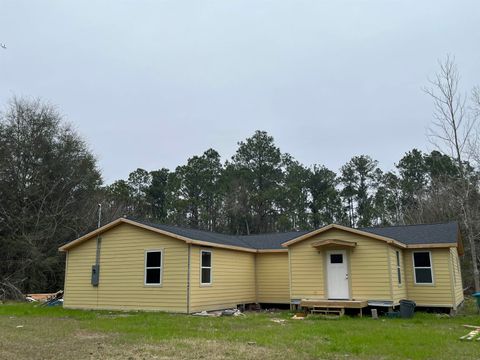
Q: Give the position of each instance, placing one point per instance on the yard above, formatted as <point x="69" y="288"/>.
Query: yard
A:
<point x="33" y="332"/>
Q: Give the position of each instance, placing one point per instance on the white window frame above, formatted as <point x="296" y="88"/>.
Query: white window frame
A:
<point x="206" y="267"/>
<point x="423" y="267"/>
<point x="162" y="252"/>
<point x="399" y="267"/>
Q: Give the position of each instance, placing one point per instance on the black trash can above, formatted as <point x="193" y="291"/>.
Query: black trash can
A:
<point x="407" y="308"/>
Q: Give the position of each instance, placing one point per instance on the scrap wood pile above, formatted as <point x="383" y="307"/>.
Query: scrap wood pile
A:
<point x="474" y="334"/>
<point x="49" y="299"/>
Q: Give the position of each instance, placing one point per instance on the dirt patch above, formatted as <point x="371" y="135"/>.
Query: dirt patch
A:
<point x="193" y="349"/>
<point x="86" y="335"/>
<point x="42" y="338"/>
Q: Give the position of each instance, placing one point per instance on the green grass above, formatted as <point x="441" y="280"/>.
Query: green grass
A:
<point x="76" y="334"/>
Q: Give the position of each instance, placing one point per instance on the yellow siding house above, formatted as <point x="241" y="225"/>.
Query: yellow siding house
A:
<point x="130" y="264"/>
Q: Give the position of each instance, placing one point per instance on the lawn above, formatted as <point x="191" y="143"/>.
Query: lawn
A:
<point x="33" y="332"/>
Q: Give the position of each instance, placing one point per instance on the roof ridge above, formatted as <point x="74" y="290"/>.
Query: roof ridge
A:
<point x="275" y="232"/>
<point x="176" y="226"/>
<point x="406" y="225"/>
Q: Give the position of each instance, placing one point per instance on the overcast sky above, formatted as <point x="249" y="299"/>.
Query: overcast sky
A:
<point x="150" y="83"/>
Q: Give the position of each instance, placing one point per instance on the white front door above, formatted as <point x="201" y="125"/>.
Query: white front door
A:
<point x="337" y="274"/>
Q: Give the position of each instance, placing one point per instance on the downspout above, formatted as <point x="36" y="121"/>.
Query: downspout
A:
<point x="188" y="279"/>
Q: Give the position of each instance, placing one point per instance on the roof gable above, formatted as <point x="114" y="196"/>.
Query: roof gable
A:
<point x="347" y="229"/>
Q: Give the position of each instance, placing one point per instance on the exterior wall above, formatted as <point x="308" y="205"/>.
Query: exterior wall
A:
<point x="369" y="274"/>
<point x="244" y="277"/>
<point x="370" y="270"/>
<point x="457" y="276"/>
<point x="399" y="291"/>
<point x="233" y="279"/>
<point x="306" y="271"/>
<point x="122" y="262"/>
<point x="272" y="278"/>
<point x="78" y="290"/>
<point x="440" y="293"/>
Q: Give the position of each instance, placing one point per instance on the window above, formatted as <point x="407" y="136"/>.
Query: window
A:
<point x="336" y="259"/>
<point x="206" y="267"/>
<point x="422" y="266"/>
<point x="153" y="267"/>
<point x="399" y="269"/>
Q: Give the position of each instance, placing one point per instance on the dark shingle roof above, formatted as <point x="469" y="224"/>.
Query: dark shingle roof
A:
<point x="419" y="234"/>
<point x="407" y="234"/>
<point x="258" y="241"/>
<point x="272" y="240"/>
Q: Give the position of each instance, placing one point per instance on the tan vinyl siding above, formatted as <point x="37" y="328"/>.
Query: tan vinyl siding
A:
<point x="78" y="290"/>
<point x="368" y="263"/>
<point x="438" y="294"/>
<point x="399" y="291"/>
<point x="272" y="278"/>
<point x="370" y="273"/>
<point x="233" y="279"/>
<point x="122" y="269"/>
<point x="457" y="273"/>
<point x="306" y="271"/>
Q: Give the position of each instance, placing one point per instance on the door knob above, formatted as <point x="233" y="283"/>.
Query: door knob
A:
<point x="346" y="276"/>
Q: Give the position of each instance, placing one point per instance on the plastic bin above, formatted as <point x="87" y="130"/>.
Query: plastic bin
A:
<point x="477" y="297"/>
<point x="393" y="314"/>
<point x="407" y="308"/>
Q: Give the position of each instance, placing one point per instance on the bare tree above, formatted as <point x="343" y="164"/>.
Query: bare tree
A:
<point x="452" y="132"/>
<point x="451" y="124"/>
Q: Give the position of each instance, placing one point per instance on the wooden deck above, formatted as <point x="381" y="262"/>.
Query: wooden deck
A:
<point x="336" y="307"/>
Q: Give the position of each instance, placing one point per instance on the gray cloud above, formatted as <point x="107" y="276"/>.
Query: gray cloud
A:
<point x="150" y="83"/>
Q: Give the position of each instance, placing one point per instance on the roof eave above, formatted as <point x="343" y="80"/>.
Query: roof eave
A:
<point x="263" y="251"/>
<point x="431" y="245"/>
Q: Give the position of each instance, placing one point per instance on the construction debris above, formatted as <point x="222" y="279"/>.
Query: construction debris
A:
<point x="227" y="312"/>
<point x="298" y="316"/>
<point x="48" y="299"/>
<point x="474" y="334"/>
<point x="55" y="300"/>
<point x="205" y="313"/>
<point x="39" y="297"/>
<point x="232" y="312"/>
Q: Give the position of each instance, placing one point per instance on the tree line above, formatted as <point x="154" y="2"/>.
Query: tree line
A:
<point x="50" y="186"/>
<point x="260" y="189"/>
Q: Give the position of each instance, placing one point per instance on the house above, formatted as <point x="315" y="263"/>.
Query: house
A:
<point x="129" y="264"/>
